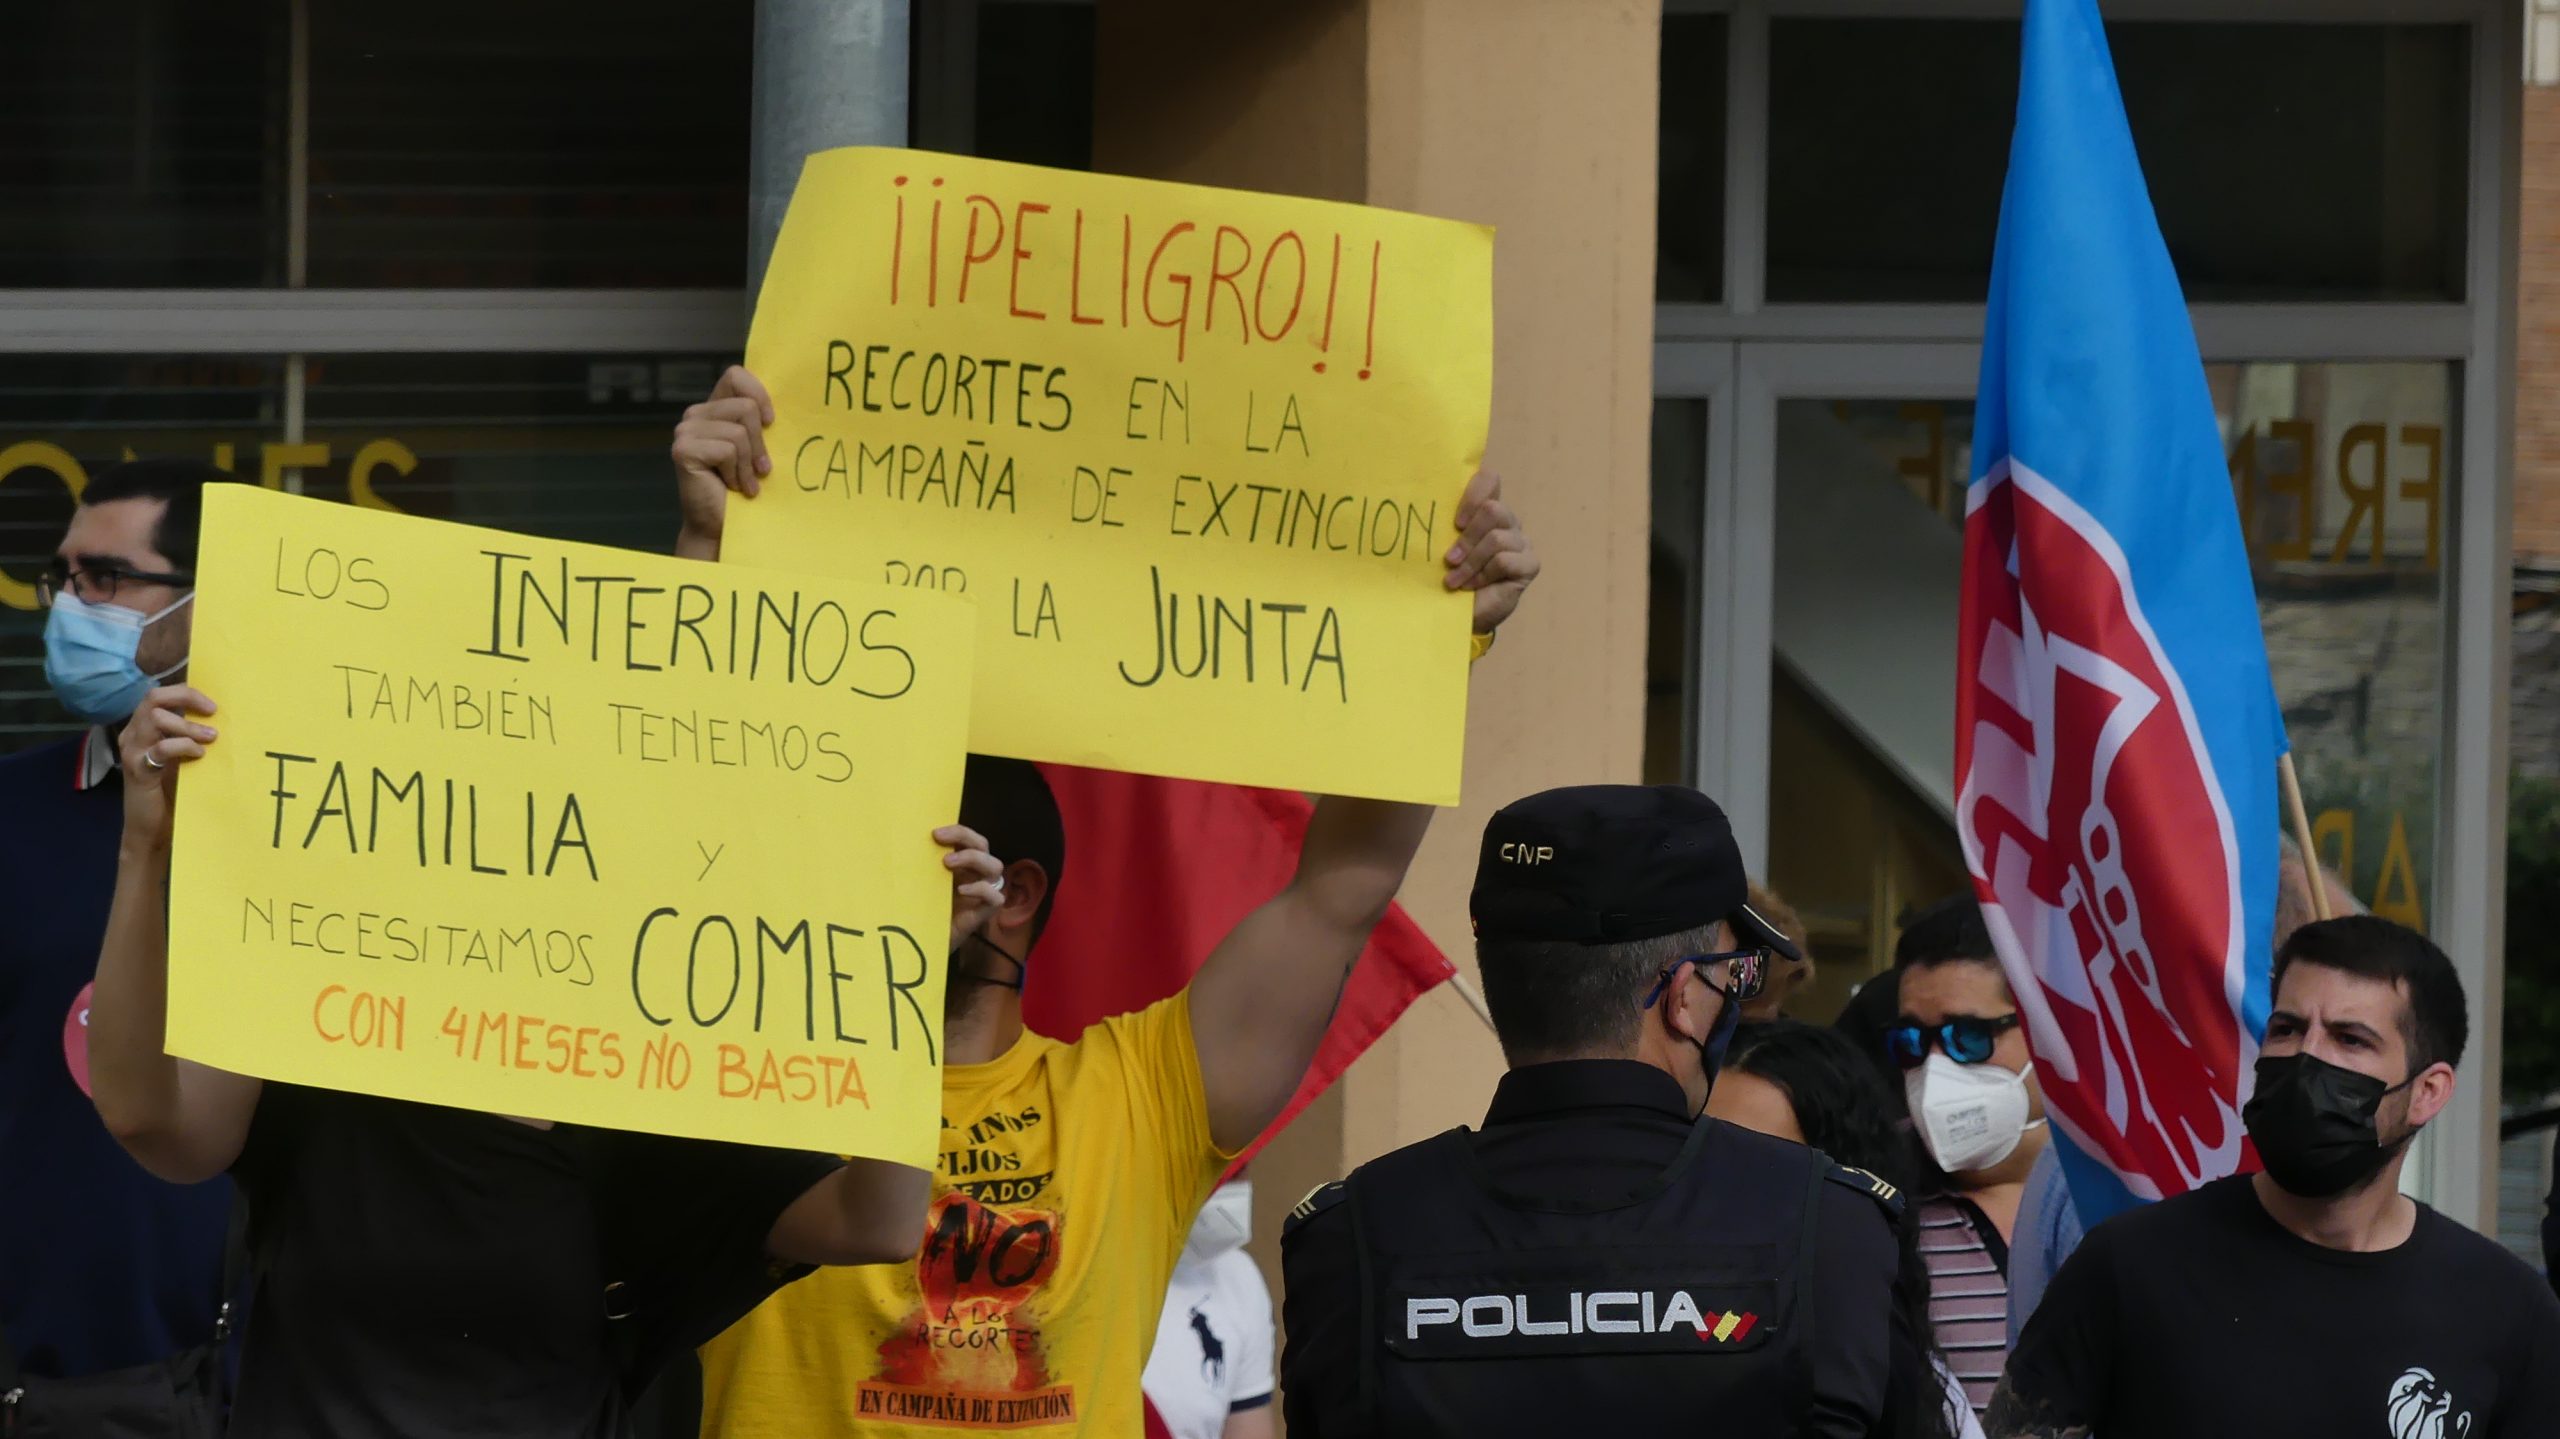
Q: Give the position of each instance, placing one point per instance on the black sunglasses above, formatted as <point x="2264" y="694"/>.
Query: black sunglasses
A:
<point x="1967" y="1039"/>
<point x="1750" y="974"/>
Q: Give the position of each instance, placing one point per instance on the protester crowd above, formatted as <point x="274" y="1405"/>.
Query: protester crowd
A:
<point x="1682" y="1207"/>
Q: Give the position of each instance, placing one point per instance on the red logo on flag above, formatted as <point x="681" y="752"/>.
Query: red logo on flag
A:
<point x="2099" y="844"/>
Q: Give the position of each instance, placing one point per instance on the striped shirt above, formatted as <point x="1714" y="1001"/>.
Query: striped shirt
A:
<point x="1968" y="1292"/>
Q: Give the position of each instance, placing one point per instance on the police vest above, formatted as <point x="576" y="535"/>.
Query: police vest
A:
<point x="1489" y="1311"/>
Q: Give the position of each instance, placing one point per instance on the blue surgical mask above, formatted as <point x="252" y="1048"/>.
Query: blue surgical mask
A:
<point x="88" y="657"/>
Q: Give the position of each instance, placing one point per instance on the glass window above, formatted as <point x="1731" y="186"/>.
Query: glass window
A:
<point x="1870" y="495"/>
<point x="476" y="143"/>
<point x="2287" y="162"/>
<point x="1671" y="638"/>
<point x="570" y="447"/>
<point x="2344" y="475"/>
<point x="1689" y="199"/>
<point x="2343" y="478"/>
<point x="145" y="145"/>
<point x="498" y="144"/>
<point x="1850" y="847"/>
<point x="567" y="446"/>
<point x="63" y="416"/>
<point x="2530" y="1052"/>
<point x="1034" y="84"/>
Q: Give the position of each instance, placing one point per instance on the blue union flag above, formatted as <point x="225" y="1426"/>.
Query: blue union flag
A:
<point x="2116" y="728"/>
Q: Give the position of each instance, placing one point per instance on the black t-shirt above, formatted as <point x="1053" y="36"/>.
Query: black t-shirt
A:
<point x="2201" y="1316"/>
<point x="433" y="1272"/>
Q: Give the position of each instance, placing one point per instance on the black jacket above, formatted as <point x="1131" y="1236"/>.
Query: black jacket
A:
<point x="1589" y="1131"/>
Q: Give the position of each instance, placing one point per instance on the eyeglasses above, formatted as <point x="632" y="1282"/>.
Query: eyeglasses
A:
<point x="1750" y="974"/>
<point x="96" y="584"/>
<point x="1967" y="1039"/>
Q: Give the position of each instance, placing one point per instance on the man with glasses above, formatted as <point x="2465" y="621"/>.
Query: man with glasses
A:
<point x="1979" y="1113"/>
<point x="1633" y="1264"/>
<point x="109" y="1279"/>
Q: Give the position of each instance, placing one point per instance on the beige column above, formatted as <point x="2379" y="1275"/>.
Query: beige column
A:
<point x="1537" y="117"/>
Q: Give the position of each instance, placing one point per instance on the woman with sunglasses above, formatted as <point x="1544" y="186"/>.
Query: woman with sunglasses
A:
<point x="1978" y="1112"/>
<point x="1817" y="1087"/>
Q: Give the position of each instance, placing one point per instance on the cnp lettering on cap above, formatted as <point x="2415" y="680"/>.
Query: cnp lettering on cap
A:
<point x="1611" y="864"/>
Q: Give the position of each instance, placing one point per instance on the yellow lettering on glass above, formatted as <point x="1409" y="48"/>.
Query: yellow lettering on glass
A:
<point x="2364" y="498"/>
<point x="2428" y="489"/>
<point x="16" y="593"/>
<point x="2294" y="438"/>
<point x="2338" y="825"/>
<point x="2395" y="890"/>
<point x="379" y="454"/>
<point x="274" y="459"/>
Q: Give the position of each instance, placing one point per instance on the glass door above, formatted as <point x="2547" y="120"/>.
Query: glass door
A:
<point x="2343" y="478"/>
<point x="1687" y="729"/>
<point x="1865" y="451"/>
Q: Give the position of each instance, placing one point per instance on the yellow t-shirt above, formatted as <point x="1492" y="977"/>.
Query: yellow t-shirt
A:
<point x="1070" y="1176"/>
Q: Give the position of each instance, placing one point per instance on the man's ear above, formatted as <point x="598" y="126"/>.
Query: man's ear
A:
<point x="1026" y="886"/>
<point x="1689" y="1008"/>
<point x="2430" y="1093"/>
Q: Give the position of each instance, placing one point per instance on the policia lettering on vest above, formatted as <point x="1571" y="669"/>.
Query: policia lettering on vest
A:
<point x="1502" y="1316"/>
<point x="1598" y="1250"/>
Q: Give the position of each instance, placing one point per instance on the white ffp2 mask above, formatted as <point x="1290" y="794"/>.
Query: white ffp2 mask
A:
<point x="1970" y="1115"/>
<point x="1224" y="1223"/>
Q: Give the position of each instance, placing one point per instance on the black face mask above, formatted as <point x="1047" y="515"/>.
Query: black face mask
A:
<point x="1021" y="971"/>
<point x="2313" y="1123"/>
<point x="1711" y="1050"/>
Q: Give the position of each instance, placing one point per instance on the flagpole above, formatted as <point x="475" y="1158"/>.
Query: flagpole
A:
<point x="1467" y="991"/>
<point x="2311" y="876"/>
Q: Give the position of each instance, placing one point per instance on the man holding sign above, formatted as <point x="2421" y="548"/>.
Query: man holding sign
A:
<point x="1196" y="456"/>
<point x="1069" y="1172"/>
<point x="429" y="1270"/>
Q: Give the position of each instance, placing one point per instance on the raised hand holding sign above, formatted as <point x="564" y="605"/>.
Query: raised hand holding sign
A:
<point x="1196" y="454"/>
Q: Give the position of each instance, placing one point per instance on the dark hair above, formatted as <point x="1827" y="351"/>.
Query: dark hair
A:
<point x="2435" y="1020"/>
<point x="1560" y="1000"/>
<point x="1951" y="929"/>
<point x="1008" y="801"/>
<point x="1839" y="1099"/>
<point x="177" y="483"/>
<point x="1874" y="1008"/>
<point x="1845" y="1110"/>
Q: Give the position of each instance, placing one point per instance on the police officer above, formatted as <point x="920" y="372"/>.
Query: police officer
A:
<point x="1599" y="1252"/>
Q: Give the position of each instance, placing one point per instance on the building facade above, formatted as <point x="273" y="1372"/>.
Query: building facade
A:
<point x="469" y="261"/>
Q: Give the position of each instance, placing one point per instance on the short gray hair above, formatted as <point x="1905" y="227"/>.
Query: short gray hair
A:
<point x="1570" y="1001"/>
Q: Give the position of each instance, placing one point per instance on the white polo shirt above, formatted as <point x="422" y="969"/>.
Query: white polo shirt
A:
<point x="1213" y="1346"/>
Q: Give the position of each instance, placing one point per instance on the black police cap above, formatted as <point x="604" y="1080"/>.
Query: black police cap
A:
<point x="1612" y="864"/>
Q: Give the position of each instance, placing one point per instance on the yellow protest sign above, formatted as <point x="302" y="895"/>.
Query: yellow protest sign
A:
<point x="567" y="832"/>
<point x="1196" y="454"/>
